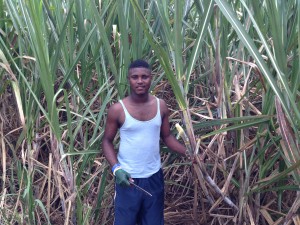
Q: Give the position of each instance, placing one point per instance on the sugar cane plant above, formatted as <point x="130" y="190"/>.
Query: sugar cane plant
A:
<point x="228" y="69"/>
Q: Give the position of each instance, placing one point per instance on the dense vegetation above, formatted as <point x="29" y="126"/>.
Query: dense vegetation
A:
<point x="228" y="70"/>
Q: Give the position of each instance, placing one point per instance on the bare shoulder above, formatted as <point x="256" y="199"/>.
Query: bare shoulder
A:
<point x="114" y="111"/>
<point x="115" y="107"/>
<point x="163" y="107"/>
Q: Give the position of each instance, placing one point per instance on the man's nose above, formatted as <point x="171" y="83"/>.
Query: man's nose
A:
<point x="140" y="80"/>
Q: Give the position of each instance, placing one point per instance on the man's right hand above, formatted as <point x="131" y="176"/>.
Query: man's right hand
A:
<point x="122" y="177"/>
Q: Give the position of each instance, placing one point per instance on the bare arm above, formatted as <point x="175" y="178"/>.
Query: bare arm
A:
<point x="170" y="141"/>
<point x="111" y="128"/>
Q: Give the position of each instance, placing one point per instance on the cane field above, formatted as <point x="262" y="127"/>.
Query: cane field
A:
<point x="227" y="69"/>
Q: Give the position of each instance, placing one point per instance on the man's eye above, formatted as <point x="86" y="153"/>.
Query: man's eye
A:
<point x="145" y="77"/>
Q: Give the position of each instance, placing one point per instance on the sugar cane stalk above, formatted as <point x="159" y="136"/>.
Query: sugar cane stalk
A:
<point x="200" y="166"/>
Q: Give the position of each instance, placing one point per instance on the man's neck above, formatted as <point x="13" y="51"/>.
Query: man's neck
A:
<point x="139" y="99"/>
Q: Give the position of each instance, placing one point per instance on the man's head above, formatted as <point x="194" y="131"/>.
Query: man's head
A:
<point x="139" y="77"/>
<point x="139" y="63"/>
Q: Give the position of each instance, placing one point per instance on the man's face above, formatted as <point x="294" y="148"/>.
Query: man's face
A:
<point x="139" y="80"/>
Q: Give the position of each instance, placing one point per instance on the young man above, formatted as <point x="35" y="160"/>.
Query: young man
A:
<point x="142" y="120"/>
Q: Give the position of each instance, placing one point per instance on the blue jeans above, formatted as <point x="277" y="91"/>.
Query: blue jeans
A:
<point x="132" y="206"/>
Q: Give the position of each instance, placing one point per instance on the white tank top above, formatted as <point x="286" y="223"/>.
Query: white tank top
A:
<point x="139" y="145"/>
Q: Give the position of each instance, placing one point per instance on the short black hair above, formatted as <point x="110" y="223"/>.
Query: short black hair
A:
<point x="139" y="63"/>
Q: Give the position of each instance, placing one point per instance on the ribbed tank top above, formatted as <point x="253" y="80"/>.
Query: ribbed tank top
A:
<point x="139" y="145"/>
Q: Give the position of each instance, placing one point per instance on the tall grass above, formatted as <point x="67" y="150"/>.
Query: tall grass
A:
<point x="227" y="69"/>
